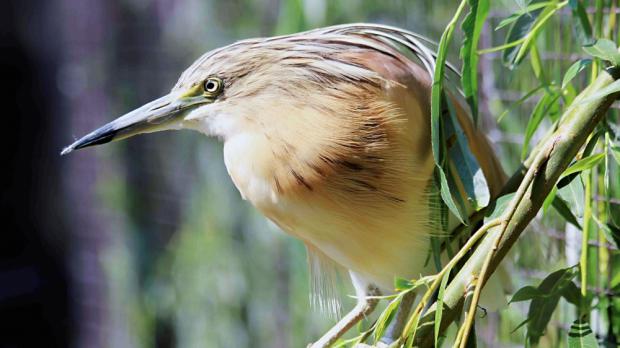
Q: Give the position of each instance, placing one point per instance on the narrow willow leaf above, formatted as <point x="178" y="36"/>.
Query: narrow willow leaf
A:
<point x="611" y="88"/>
<point x="549" y="200"/>
<point x="520" y="101"/>
<point x="541" y="109"/>
<point x="587" y="150"/>
<point x="611" y="233"/>
<point x="447" y="198"/>
<point x="518" y="31"/>
<point x="458" y="198"/>
<point x="526" y="11"/>
<point x="562" y="208"/>
<point x="498" y="207"/>
<point x="439" y="308"/>
<point x="438" y="142"/>
<point x="574" y="69"/>
<point x="536" y="64"/>
<point x="541" y="308"/>
<point x="469" y="172"/>
<point x="472" y="27"/>
<point x="615" y="281"/>
<point x="579" y="12"/>
<point x="511" y="19"/>
<point x="604" y="49"/>
<point x="437" y="93"/>
<point x="574" y="193"/>
<point x="526" y="293"/>
<point x="572" y="294"/>
<point x="414" y="330"/>
<point x="529" y="29"/>
<point x="436" y="252"/>
<point x="520" y="325"/>
<point x="615" y="151"/>
<point x="614" y="232"/>
<point x="591" y="144"/>
<point x="529" y="40"/>
<point x="580" y="335"/>
<point x="386" y="316"/>
<point x="606" y="168"/>
<point x="539" y="314"/>
<point x="584" y="164"/>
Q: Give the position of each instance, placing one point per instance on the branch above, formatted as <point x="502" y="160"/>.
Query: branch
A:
<point x="535" y="179"/>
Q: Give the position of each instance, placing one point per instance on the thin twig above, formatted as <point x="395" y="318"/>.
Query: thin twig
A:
<point x="462" y="252"/>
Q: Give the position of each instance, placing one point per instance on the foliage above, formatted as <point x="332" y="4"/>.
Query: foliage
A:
<point x="591" y="171"/>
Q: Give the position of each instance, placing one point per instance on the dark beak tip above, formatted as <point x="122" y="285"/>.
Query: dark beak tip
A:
<point x="102" y="135"/>
<point x="67" y="150"/>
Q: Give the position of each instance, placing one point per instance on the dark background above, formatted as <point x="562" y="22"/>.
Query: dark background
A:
<point x="34" y="282"/>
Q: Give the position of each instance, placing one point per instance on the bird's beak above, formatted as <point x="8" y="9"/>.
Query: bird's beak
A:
<point x="161" y="114"/>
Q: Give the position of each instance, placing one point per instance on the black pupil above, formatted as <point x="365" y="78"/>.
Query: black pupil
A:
<point x="211" y="86"/>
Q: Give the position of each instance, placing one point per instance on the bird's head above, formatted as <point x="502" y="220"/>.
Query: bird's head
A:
<point x="246" y="84"/>
<point x="194" y="102"/>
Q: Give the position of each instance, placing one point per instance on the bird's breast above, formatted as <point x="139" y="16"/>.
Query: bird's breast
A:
<point x="374" y="223"/>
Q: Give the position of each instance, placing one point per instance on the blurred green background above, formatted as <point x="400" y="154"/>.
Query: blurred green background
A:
<point x="152" y="243"/>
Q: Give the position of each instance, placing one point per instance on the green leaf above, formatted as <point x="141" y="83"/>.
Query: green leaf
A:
<point x="609" y="89"/>
<point x="581" y="335"/>
<point x="438" y="140"/>
<point x="574" y="69"/>
<point x="611" y="232"/>
<point x="537" y="65"/>
<point x="541" y="109"/>
<point x="402" y="284"/>
<point x="587" y="150"/>
<point x="386" y="316"/>
<point x="572" y="294"/>
<point x="562" y="208"/>
<point x="579" y="12"/>
<point x="526" y="293"/>
<point x="519" y="30"/>
<point x="524" y="32"/>
<point x="541" y="308"/>
<point x="615" y="151"/>
<point x="447" y="198"/>
<point x="472" y="27"/>
<point x="614" y="232"/>
<point x="411" y="337"/>
<point x="526" y="11"/>
<point x="519" y="102"/>
<point x="468" y="170"/>
<point x="498" y="207"/>
<point x="574" y="194"/>
<point x="584" y="164"/>
<point x="439" y="310"/>
<point x="549" y="199"/>
<point x="615" y="281"/>
<point x="604" y="49"/>
<point x="436" y="252"/>
<point x="520" y="325"/>
<point x="528" y="41"/>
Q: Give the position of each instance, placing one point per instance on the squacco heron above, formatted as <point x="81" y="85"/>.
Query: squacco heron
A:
<point x="327" y="133"/>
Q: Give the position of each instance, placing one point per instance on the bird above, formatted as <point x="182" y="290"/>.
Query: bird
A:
<point x="327" y="133"/>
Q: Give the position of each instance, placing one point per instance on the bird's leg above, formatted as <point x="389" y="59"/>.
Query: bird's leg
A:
<point x="366" y="303"/>
<point x="398" y="323"/>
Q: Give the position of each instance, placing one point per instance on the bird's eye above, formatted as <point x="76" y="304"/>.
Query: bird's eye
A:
<point x="213" y="86"/>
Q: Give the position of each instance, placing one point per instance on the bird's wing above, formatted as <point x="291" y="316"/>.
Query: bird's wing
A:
<point x="399" y="39"/>
<point x="417" y="47"/>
